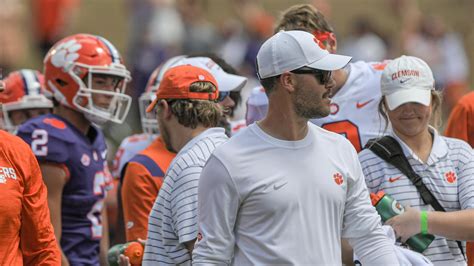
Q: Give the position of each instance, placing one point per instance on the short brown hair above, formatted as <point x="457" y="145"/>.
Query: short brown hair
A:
<point x="303" y="17"/>
<point x="192" y="113"/>
<point x="436" y="117"/>
<point x="269" y="84"/>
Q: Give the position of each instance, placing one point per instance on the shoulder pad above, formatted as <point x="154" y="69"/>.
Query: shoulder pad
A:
<point x="48" y="142"/>
<point x="55" y="128"/>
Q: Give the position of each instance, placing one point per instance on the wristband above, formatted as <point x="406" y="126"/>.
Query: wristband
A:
<point x="424" y="222"/>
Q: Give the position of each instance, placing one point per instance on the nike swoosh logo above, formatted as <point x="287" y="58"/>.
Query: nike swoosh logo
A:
<point x="405" y="80"/>
<point x="391" y="180"/>
<point x="360" y="105"/>
<point x="277" y="187"/>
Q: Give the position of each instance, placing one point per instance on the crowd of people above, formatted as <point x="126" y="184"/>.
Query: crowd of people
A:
<point x="290" y="184"/>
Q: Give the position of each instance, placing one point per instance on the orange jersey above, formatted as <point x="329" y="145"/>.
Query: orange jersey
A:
<point x="140" y="185"/>
<point x="27" y="236"/>
<point x="461" y="121"/>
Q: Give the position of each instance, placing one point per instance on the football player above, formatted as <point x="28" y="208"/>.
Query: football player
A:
<point x="24" y="97"/>
<point x="87" y="78"/>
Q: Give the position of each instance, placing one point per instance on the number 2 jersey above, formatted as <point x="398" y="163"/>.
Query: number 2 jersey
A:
<point x="354" y="108"/>
<point x="56" y="141"/>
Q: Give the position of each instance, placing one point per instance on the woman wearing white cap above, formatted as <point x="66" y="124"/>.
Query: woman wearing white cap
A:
<point x="445" y="165"/>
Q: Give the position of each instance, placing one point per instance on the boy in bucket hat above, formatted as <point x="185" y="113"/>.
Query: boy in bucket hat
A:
<point x="284" y="191"/>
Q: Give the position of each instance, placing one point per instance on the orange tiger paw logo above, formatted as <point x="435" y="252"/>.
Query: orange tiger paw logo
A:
<point x="55" y="123"/>
<point x="338" y="178"/>
<point x="450" y="177"/>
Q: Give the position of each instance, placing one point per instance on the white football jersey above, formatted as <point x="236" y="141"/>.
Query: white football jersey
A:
<point x="129" y="147"/>
<point x="354" y="108"/>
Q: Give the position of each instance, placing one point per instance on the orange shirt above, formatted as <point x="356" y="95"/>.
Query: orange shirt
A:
<point x="461" y="120"/>
<point x="140" y="185"/>
<point x="461" y="126"/>
<point x="27" y="236"/>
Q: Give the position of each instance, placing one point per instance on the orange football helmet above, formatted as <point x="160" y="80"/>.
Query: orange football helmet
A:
<point x="148" y="120"/>
<point x="69" y="68"/>
<point x="24" y="89"/>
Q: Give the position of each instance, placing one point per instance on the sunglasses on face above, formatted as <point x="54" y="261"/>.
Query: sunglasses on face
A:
<point x="222" y="95"/>
<point x="322" y="76"/>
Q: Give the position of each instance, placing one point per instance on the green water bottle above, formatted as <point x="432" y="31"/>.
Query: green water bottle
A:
<point x="133" y="250"/>
<point x="387" y="207"/>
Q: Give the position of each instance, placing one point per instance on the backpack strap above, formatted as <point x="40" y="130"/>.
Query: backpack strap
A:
<point x="390" y="150"/>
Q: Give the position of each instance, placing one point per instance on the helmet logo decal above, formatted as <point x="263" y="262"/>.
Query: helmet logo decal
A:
<point x="65" y="54"/>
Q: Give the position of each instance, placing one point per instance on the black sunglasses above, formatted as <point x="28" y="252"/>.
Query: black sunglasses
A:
<point x="322" y="76"/>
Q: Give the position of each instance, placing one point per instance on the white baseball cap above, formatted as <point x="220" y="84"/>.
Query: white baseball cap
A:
<point x="225" y="81"/>
<point x="407" y="79"/>
<point x="290" y="50"/>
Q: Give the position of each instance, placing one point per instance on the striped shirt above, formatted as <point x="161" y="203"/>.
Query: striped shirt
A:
<point x="173" y="219"/>
<point x="448" y="174"/>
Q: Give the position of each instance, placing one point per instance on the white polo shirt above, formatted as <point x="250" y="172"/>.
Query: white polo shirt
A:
<point x="265" y="201"/>
<point x="448" y="174"/>
<point x="173" y="219"/>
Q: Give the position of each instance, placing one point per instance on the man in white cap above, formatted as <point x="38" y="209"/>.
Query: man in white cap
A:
<point x="285" y="191"/>
<point x="356" y="95"/>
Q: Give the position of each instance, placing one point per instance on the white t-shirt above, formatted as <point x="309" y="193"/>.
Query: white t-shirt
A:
<point x="173" y="218"/>
<point x="448" y="174"/>
<point x="265" y="201"/>
<point x="129" y="147"/>
<point x="354" y="108"/>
